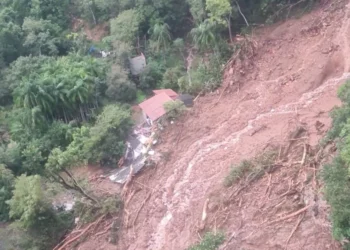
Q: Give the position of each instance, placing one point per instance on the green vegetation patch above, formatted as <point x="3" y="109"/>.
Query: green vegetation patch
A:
<point x="336" y="175"/>
<point x="251" y="169"/>
<point x="210" y="241"/>
<point x="174" y="109"/>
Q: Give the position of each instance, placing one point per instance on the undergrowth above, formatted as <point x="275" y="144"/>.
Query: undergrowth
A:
<point x="336" y="175"/>
<point x="210" y="241"/>
<point x="337" y="190"/>
<point x="251" y="169"/>
<point x="140" y="96"/>
<point x="174" y="109"/>
<point x="88" y="212"/>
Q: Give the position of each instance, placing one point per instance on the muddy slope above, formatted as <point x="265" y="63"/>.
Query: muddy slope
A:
<point x="291" y="82"/>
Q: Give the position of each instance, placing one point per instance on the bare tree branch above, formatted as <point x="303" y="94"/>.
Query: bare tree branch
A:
<point x="239" y="9"/>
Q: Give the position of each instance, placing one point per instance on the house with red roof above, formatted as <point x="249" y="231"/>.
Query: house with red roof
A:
<point x="153" y="108"/>
<point x="171" y="93"/>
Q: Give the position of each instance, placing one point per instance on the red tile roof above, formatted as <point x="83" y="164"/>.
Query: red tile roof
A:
<point x="153" y="107"/>
<point x="169" y="92"/>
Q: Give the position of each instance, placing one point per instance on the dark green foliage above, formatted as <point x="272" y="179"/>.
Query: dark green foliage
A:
<point x="66" y="89"/>
<point x="31" y="205"/>
<point x="10" y="156"/>
<point x="6" y="186"/>
<point x="197" y="9"/>
<point x="56" y="12"/>
<point x="41" y="37"/>
<point x="119" y="87"/>
<point x="10" y="41"/>
<point x="102" y="143"/>
<point x="336" y="174"/>
<point x="106" y="142"/>
<point x="13" y="35"/>
<point x="125" y="26"/>
<point x="340" y="117"/>
<point x="28" y="203"/>
<point x="23" y="67"/>
<point x="205" y="35"/>
<point x="97" y="11"/>
<point x="152" y="75"/>
<point x="210" y="241"/>
<point x="204" y="76"/>
<point x="171" y="77"/>
<point x="337" y="189"/>
<point x="140" y="96"/>
<point x="160" y="37"/>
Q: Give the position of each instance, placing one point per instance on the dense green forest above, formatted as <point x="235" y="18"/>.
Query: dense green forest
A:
<point x="336" y="173"/>
<point x="62" y="106"/>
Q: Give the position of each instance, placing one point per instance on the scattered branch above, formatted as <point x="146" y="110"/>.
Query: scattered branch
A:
<point x="204" y="214"/>
<point x="291" y="215"/>
<point x="58" y="247"/>
<point x="104" y="231"/>
<point x="304" y="155"/>
<point x="301" y="217"/>
<point x="139" y="210"/>
<point x="127" y="183"/>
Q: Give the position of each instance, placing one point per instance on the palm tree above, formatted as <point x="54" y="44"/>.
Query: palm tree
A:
<point x="160" y="34"/>
<point x="25" y="95"/>
<point x="204" y="36"/>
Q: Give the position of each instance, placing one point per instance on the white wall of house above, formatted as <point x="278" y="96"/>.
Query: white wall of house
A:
<point x="149" y="121"/>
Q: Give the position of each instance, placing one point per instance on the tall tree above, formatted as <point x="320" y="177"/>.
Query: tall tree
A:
<point x="6" y="184"/>
<point x="10" y="38"/>
<point x="204" y="35"/>
<point x="197" y="9"/>
<point x="125" y="26"/>
<point x="161" y="37"/>
<point x="52" y="10"/>
<point x="220" y="12"/>
<point x="41" y="36"/>
<point x="28" y="203"/>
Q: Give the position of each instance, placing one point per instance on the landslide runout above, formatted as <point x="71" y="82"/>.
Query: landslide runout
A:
<point x="279" y="93"/>
<point x="179" y="182"/>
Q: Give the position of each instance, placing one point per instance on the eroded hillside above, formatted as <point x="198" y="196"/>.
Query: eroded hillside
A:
<point x="288" y="85"/>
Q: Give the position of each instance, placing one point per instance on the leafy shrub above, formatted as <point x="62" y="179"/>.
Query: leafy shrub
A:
<point x="119" y="87"/>
<point x="111" y="205"/>
<point x="122" y="51"/>
<point x="32" y="208"/>
<point x="28" y="203"/>
<point x="251" y="169"/>
<point x="126" y="25"/>
<point x="140" y="96"/>
<point x="237" y="172"/>
<point x="337" y="189"/>
<point x="106" y="138"/>
<point x="10" y="156"/>
<point x="152" y="75"/>
<point x="206" y="76"/>
<point x="210" y="241"/>
<point x="336" y="174"/>
<point x="87" y="212"/>
<point x="174" y="109"/>
<point x="171" y="78"/>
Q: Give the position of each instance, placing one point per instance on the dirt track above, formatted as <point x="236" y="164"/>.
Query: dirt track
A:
<point x="291" y="82"/>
